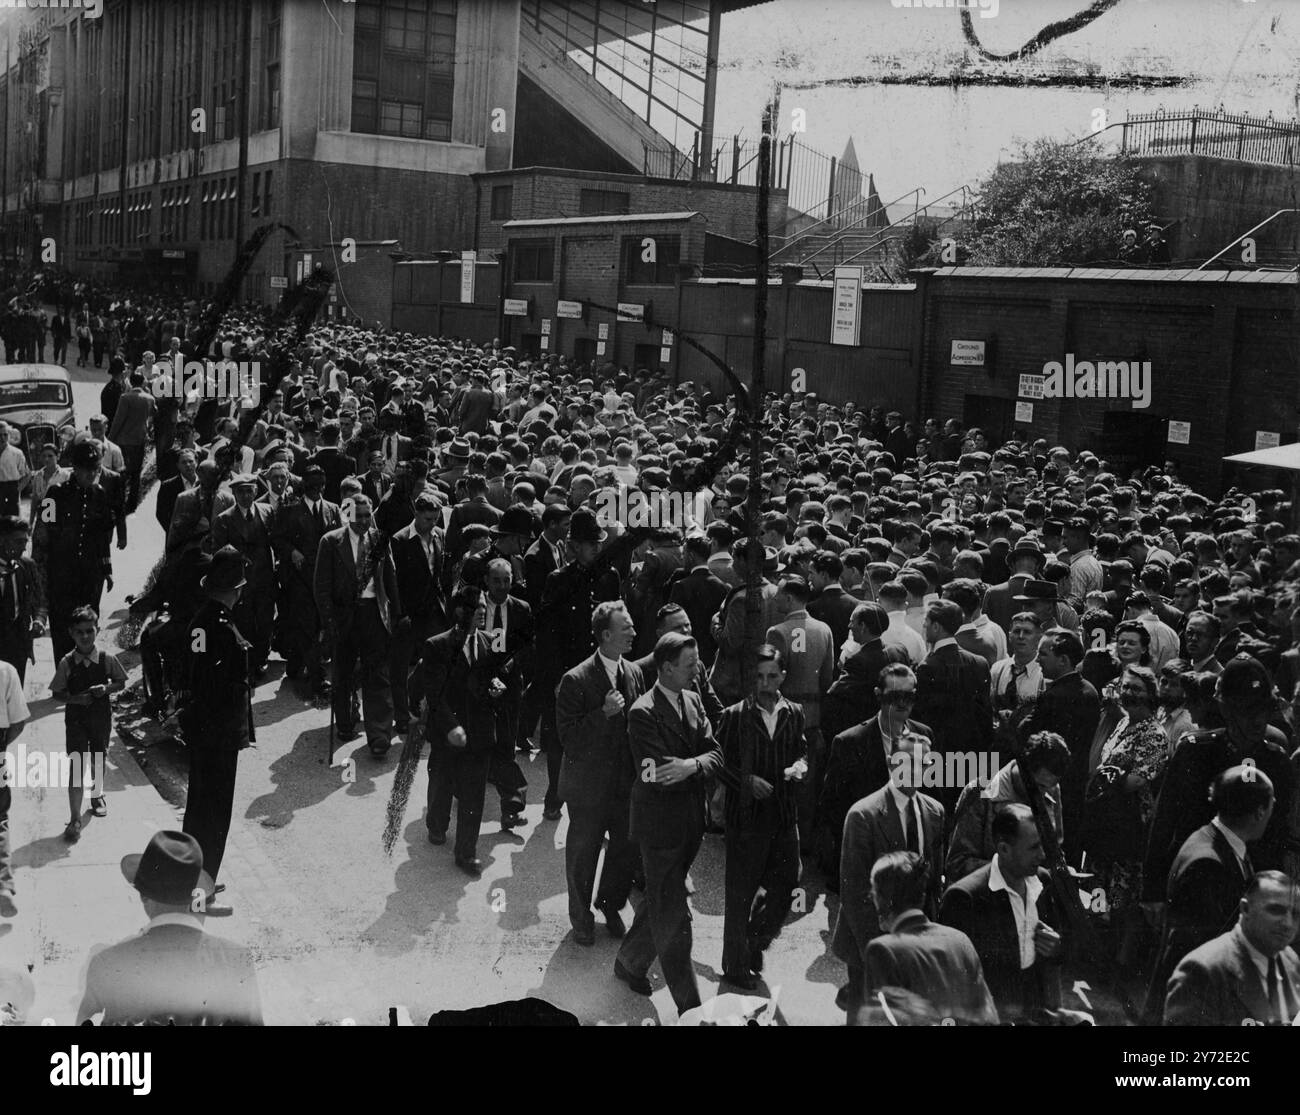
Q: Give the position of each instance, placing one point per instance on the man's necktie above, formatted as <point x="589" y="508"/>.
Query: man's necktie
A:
<point x="910" y="837"/>
<point x="1247" y="867"/>
<point x="1011" y="695"/>
<point x="319" y="515"/>
<point x="681" y="707"/>
<point x="1280" y="998"/>
<point x="496" y="617"/>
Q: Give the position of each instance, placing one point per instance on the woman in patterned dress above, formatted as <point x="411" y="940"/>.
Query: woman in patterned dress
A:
<point x="1137" y="748"/>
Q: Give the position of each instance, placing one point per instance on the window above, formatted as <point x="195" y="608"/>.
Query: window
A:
<point x="271" y="52"/>
<point x="266" y="194"/>
<point x="503" y="198"/>
<point x="255" y="210"/>
<point x="403" y="67"/>
<point x="534" y="260"/>
<point x="594" y="203"/>
<point x="660" y="272"/>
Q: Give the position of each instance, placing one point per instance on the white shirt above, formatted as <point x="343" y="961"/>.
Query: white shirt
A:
<point x="13" y="707"/>
<point x="426" y="544"/>
<point x="770" y="718"/>
<point x="1164" y="640"/>
<point x="367" y="593"/>
<point x="899" y="634"/>
<point x="498" y="641"/>
<point x="1028" y="685"/>
<point x="948" y="640"/>
<point x="174" y="918"/>
<point x="1024" y="909"/>
<point x="675" y="699"/>
<point x="1261" y="963"/>
<point x="611" y="664"/>
<point x="903" y="803"/>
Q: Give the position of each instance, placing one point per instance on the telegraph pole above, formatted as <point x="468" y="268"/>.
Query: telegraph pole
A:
<point x="754" y="634"/>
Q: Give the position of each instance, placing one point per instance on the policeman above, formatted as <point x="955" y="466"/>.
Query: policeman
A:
<point x="1246" y="702"/>
<point x="74" y="530"/>
<point x="563" y="624"/>
<point x="215" y="712"/>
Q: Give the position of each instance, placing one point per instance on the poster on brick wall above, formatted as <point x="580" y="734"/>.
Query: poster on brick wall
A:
<point x="1180" y="433"/>
<point x="1267" y="439"/>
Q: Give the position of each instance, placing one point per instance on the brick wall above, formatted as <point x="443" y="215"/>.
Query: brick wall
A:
<point x="541" y="193"/>
<point x="1221" y="351"/>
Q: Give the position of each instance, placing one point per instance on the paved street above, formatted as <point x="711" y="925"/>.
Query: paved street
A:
<point x="341" y="930"/>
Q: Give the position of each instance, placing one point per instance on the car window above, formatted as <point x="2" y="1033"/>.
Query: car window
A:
<point x="32" y="393"/>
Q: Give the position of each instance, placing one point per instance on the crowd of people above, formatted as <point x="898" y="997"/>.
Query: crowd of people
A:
<point x="987" y="678"/>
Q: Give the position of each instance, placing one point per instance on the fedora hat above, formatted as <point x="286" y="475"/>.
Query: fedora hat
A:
<point x="1036" y="590"/>
<point x="226" y="572"/>
<point x="170" y="869"/>
<point x="456" y="450"/>
<point x="584" y="527"/>
<point x="1028" y="547"/>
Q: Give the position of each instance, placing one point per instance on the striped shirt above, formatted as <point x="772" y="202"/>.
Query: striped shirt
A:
<point x="743" y="734"/>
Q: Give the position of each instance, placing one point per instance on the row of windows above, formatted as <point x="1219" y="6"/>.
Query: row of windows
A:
<point x="216" y="214"/>
<point x="533" y="261"/>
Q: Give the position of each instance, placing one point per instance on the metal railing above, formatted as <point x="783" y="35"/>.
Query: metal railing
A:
<point x="815" y="183"/>
<point x="1221" y="134"/>
<point x="835" y="223"/>
<point x="1249" y="232"/>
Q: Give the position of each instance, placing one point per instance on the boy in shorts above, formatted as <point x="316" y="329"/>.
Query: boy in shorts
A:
<point x="85" y="679"/>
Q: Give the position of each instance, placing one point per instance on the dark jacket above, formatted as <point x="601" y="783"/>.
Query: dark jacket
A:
<point x="597" y="763"/>
<point x="986" y="917"/>
<point x="935" y="962"/>
<point x="660" y="812"/>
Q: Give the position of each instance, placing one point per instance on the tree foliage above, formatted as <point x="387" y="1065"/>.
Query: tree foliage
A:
<point x="1060" y="205"/>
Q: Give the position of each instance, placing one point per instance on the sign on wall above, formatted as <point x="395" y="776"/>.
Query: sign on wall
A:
<point x="468" y="270"/>
<point x="1031" y="387"/>
<point x="1267" y="439"/>
<point x="631" y="311"/>
<point x="967" y="354"/>
<point x="846" y="312"/>
<point x="568" y="309"/>
<point x="1024" y="412"/>
<point x="279" y="282"/>
<point x="516" y="307"/>
<point x="1180" y="433"/>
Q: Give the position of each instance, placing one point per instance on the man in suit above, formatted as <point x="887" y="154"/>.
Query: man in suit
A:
<point x="858" y="760"/>
<point x="130" y="430"/>
<point x="510" y="631"/>
<point x="830" y="602"/>
<point x="852" y="698"/>
<point x="953" y="690"/>
<point x="394" y="447"/>
<point x="545" y="556"/>
<point x="673" y="751"/>
<point x="474" y="508"/>
<point x="246" y="527"/>
<point x="476" y="405"/>
<point x="895" y="818"/>
<point x="1006" y="909"/>
<point x="977" y="633"/>
<point x="356" y="595"/>
<point x="295" y="536"/>
<point x="417" y="559"/>
<point x="591" y="711"/>
<point x="1070" y="707"/>
<point x="375" y="483"/>
<point x="1026" y="560"/>
<point x="461" y="686"/>
<point x="1210" y="873"/>
<point x="673" y="617"/>
<point x="1249" y="974"/>
<point x="170" y="489"/>
<point x="173" y="973"/>
<point x="196" y="509"/>
<point x="697" y="590"/>
<point x="332" y="461"/>
<point x="763" y="746"/>
<point x="935" y="966"/>
<point x="808" y="647"/>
